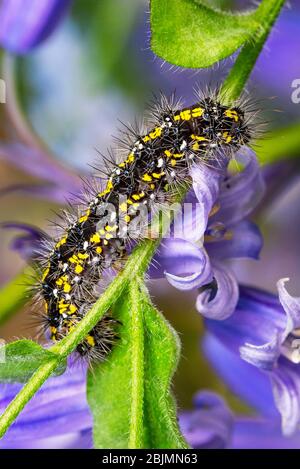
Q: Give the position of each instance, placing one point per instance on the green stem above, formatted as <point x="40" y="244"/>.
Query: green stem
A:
<point x="135" y="267"/>
<point x="233" y="86"/>
<point x="137" y="371"/>
<point x="141" y="257"/>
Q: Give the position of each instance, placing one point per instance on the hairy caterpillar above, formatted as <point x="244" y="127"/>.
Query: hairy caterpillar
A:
<point x="97" y="240"/>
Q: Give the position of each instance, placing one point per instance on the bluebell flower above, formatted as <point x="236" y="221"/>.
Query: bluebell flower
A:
<point x="196" y="258"/>
<point x="256" y="351"/>
<point x="211" y="424"/>
<point x="58" y="415"/>
<point x="27" y="23"/>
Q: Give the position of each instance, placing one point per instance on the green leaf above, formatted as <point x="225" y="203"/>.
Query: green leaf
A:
<point x="162" y="350"/>
<point x="122" y="390"/>
<point x="20" y="359"/>
<point x="188" y="33"/>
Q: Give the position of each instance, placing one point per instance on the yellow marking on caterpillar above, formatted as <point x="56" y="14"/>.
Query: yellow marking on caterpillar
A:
<point x="146" y="177"/>
<point x="152" y="186"/>
<point x="78" y="269"/>
<point x="61" y="242"/>
<point x="158" y="175"/>
<point x="99" y="250"/>
<point x="85" y="217"/>
<point x="146" y="139"/>
<point x="138" y="196"/>
<point x="177" y="117"/>
<point x="72" y="309"/>
<point x="73" y="259"/>
<point x="46" y="272"/>
<point x="155" y="133"/>
<point x="67" y="288"/>
<point x="111" y="228"/>
<point x="195" y="146"/>
<point x="127" y="218"/>
<point x="232" y="114"/>
<point x="95" y="238"/>
<point x="169" y="154"/>
<point x="108" y="236"/>
<point x="130" y="158"/>
<point x="123" y="206"/>
<point x="82" y="256"/>
<point x="199" y="138"/>
<point x="173" y="162"/>
<point x="108" y="189"/>
<point x="61" y="280"/>
<point x="197" y="112"/>
<point x="90" y="340"/>
<point x="178" y="155"/>
<point x="186" y="115"/>
<point x="105" y="242"/>
<point x="227" y="137"/>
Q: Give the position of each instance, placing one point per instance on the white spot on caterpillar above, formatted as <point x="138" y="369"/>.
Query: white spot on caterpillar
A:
<point x="160" y="162"/>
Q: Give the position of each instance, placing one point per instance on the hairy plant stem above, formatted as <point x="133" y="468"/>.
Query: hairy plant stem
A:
<point x="140" y="258"/>
<point x="233" y="86"/>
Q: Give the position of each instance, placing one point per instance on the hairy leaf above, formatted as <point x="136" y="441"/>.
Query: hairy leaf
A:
<point x="20" y="359"/>
<point x="189" y="33"/>
<point x="162" y="348"/>
<point x="129" y="394"/>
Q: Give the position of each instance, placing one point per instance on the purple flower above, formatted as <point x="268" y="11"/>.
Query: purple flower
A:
<point x="28" y="242"/>
<point x="57" y="416"/>
<point x="212" y="425"/>
<point x="256" y="351"/>
<point x="215" y="229"/>
<point x="27" y="23"/>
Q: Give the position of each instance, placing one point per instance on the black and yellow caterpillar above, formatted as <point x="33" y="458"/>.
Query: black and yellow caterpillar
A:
<point x="95" y="241"/>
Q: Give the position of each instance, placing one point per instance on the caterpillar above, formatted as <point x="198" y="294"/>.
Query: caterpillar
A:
<point x="96" y="240"/>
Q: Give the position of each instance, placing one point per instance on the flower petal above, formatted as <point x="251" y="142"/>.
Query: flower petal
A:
<point x="25" y="24"/>
<point x="291" y="306"/>
<point x="27" y="243"/>
<point x="224" y="302"/>
<point x="259" y="433"/>
<point x="206" y="185"/>
<point x="59" y="408"/>
<point x="240" y="193"/>
<point x="265" y="356"/>
<point x="286" y="390"/>
<point x="185" y="265"/>
<point x="38" y="163"/>
<point x="262" y="356"/>
<point x="244" y="380"/>
<point x="245" y="241"/>
<point x="209" y="425"/>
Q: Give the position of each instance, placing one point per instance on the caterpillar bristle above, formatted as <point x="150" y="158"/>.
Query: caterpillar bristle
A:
<point x="95" y="233"/>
